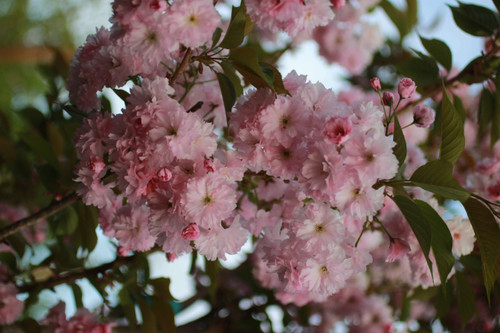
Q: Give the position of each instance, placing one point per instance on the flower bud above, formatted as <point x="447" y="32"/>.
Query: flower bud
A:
<point x="96" y="164"/>
<point x="387" y="98"/>
<point x="337" y="3"/>
<point x="209" y="165"/>
<point x="423" y="116"/>
<point x="191" y="232"/>
<point x="164" y="174"/>
<point x="375" y="83"/>
<point x="122" y="251"/>
<point x="397" y="249"/>
<point x="406" y="87"/>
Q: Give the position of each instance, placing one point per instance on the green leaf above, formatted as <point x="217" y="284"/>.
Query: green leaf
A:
<point x="497" y="4"/>
<point x="437" y="177"/>
<point x="56" y="139"/>
<point x="246" y="61"/>
<point x="162" y="288"/>
<point x="277" y="79"/>
<point x="41" y="148"/>
<point x="236" y="30"/>
<point x="128" y="306"/>
<point x="439" y="51"/>
<point x="227" y="90"/>
<point x="29" y="325"/>
<point x="486" y="109"/>
<point x="85" y="234"/>
<point x="465" y="298"/>
<point x="441" y="241"/>
<point x="122" y="94"/>
<point x="400" y="147"/>
<point x="212" y="269"/>
<point x="475" y="20"/>
<point x="418" y="223"/>
<point x="444" y="300"/>
<point x="64" y="222"/>
<point x="424" y="71"/>
<point x="229" y="71"/>
<point x="148" y="318"/>
<point x="452" y="131"/>
<point x="495" y="119"/>
<point x="77" y="293"/>
<point x="488" y="235"/>
<point x="163" y="313"/>
<point x="9" y="260"/>
<point x="397" y="17"/>
<point x="16" y="240"/>
<point x="216" y="36"/>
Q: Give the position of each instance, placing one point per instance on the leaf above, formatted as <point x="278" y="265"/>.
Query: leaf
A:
<point x="418" y="224"/>
<point x="41" y="148"/>
<point x="148" y="318"/>
<point x="397" y="17"/>
<point x="227" y="90"/>
<point x="162" y="288"/>
<point x="163" y="313"/>
<point x="400" y="147"/>
<point x="216" y="36"/>
<point x="212" y="269"/>
<point x="77" y="293"/>
<point x="229" y="71"/>
<point x="246" y="61"/>
<point x="128" y="306"/>
<point x="475" y="20"/>
<point x="487" y="234"/>
<point x="278" y="84"/>
<point x="122" y="94"/>
<point x="439" y="51"/>
<point x="441" y="241"/>
<point x="29" y="325"/>
<point x="236" y="29"/>
<point x="9" y="260"/>
<point x="56" y="139"/>
<point x="85" y="234"/>
<point x="444" y="300"/>
<point x="437" y="177"/>
<point x="465" y="298"/>
<point x="497" y="4"/>
<point x="495" y="121"/>
<point x="452" y="131"/>
<point x="486" y="109"/>
<point x="16" y="240"/>
<point x="424" y="71"/>
<point x="64" y="222"/>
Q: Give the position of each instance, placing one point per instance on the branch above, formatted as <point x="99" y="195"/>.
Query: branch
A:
<point x="73" y="275"/>
<point x="40" y="215"/>
<point x="180" y="68"/>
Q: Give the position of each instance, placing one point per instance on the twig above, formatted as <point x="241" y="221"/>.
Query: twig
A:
<point x="73" y="275"/>
<point x="180" y="68"/>
<point x="42" y="214"/>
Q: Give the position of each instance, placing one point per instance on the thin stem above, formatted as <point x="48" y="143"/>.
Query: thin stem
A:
<point x="180" y="68"/>
<point x="73" y="275"/>
<point x="40" y="215"/>
<point x="362" y="232"/>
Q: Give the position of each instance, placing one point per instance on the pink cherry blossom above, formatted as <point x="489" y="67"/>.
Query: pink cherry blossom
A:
<point x="406" y="87"/>
<point x="398" y="248"/>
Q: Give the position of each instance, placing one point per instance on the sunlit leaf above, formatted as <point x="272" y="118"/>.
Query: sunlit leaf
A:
<point x="452" y="131"/>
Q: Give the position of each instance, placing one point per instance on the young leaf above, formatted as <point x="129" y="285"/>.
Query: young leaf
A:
<point x="236" y="30"/>
<point x="441" y="241"/>
<point x="278" y="84"/>
<point x="452" y="131"/>
<point x="246" y="61"/>
<point x="495" y="119"/>
<point x="400" y="147"/>
<point x="216" y="36"/>
<point x="486" y="109"/>
<point x="465" y="298"/>
<point x="475" y="20"/>
<point x="418" y="223"/>
<point x="437" y="177"/>
<point x="229" y="71"/>
<point x="227" y="90"/>
<point x="439" y="51"/>
<point x="487" y="234"/>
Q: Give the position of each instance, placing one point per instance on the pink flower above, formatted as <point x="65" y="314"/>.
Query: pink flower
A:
<point x="423" y="116"/>
<point x="10" y="306"/>
<point x="191" y="232"/>
<point x="337" y="129"/>
<point x="131" y="225"/>
<point x="164" y="174"/>
<point x="218" y="242"/>
<point x="375" y="83"/>
<point x="397" y="249"/>
<point x="406" y="87"/>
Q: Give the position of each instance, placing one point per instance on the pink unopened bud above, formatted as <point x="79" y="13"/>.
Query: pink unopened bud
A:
<point x="397" y="249"/>
<point x="158" y="5"/>
<point x="406" y="87"/>
<point x="423" y="116"/>
<point x="375" y="83"/>
<point x="164" y="174"/>
<point x="123" y="251"/>
<point x="387" y="98"/>
<point x="191" y="232"/>
<point x="171" y="256"/>
<point x="209" y="165"/>
<point x="337" y="3"/>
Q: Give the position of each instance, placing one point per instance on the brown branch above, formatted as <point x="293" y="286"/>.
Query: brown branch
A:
<point x="40" y="215"/>
<point x="73" y="275"/>
<point x="180" y="68"/>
